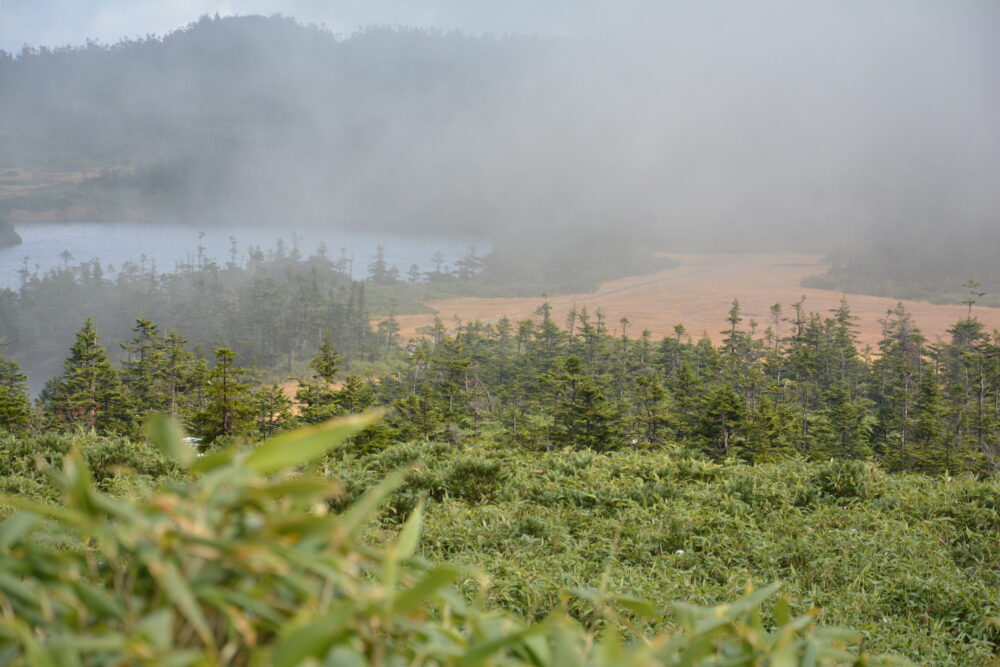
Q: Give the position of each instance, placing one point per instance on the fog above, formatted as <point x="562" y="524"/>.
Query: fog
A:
<point x="697" y="125"/>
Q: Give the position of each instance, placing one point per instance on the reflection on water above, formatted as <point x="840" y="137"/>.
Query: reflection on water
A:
<point x="167" y="245"/>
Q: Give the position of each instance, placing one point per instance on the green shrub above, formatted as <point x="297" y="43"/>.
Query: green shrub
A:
<point x="848" y="478"/>
<point x="239" y="562"/>
<point x="475" y="480"/>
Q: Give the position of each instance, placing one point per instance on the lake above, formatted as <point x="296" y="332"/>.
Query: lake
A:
<point x="170" y="244"/>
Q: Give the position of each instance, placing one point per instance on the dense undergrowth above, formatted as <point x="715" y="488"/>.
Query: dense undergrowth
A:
<point x="909" y="561"/>
<point x="238" y="560"/>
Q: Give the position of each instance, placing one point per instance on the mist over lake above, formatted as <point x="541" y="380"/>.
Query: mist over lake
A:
<point x="167" y="245"/>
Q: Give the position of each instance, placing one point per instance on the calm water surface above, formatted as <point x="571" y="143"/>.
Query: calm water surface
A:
<point x="170" y="244"/>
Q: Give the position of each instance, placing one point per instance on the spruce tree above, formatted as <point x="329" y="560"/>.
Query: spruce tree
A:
<point x="89" y="392"/>
<point x="177" y="371"/>
<point x="317" y="396"/>
<point x="721" y="421"/>
<point x="847" y="426"/>
<point x="930" y="448"/>
<point x="651" y="406"/>
<point x="15" y="407"/>
<point x="228" y="406"/>
<point x="271" y="410"/>
<point x="584" y="418"/>
<point x="144" y="370"/>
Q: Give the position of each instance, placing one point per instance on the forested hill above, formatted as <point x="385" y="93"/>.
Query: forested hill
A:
<point x="932" y="262"/>
<point x="264" y="117"/>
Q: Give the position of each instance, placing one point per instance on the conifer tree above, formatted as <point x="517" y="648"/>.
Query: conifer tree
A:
<point x="721" y="421"/>
<point x="418" y="415"/>
<point x="144" y="371"/>
<point x="228" y="405"/>
<point x="584" y="418"/>
<point x="89" y="392"/>
<point x="847" y="426"/>
<point x="271" y="410"/>
<point x="177" y="370"/>
<point x="15" y="407"/>
<point x="899" y="369"/>
<point x="317" y="396"/>
<point x="929" y="435"/>
<point x="652" y="409"/>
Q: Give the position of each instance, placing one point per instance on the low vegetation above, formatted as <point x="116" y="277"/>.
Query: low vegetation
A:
<point x="238" y="560"/>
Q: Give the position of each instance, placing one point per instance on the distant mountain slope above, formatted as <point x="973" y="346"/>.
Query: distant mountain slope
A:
<point x="258" y="116"/>
<point x="920" y="262"/>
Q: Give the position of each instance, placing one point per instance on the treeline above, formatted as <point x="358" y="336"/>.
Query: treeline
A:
<point x="930" y="262"/>
<point x="799" y="388"/>
<point x="272" y="307"/>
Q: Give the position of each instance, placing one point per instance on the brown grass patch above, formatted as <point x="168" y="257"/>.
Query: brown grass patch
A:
<point x="698" y="294"/>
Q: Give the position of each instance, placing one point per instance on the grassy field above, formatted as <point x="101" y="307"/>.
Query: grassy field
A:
<point x="698" y="294"/>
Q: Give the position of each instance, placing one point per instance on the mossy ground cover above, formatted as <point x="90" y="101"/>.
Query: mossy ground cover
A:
<point x="909" y="560"/>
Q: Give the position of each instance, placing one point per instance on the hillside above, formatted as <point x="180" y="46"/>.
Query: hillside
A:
<point x="254" y="118"/>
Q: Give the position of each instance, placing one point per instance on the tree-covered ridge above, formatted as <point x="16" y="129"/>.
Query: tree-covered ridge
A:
<point x="175" y="120"/>
<point x="800" y="387"/>
<point x="929" y="262"/>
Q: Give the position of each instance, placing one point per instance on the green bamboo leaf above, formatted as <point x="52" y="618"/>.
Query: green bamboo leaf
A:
<point x="314" y="639"/>
<point x="342" y="655"/>
<point x="565" y="652"/>
<point x="16" y="527"/>
<point x="78" y="482"/>
<point x="361" y="511"/>
<point x="782" y="611"/>
<point x="426" y="589"/>
<point x="173" y="584"/>
<point x="99" y="601"/>
<point x="216" y="459"/>
<point x="303" y="445"/>
<point x="479" y="653"/>
<point x="157" y="628"/>
<point x="249" y="603"/>
<point x="166" y="435"/>
<point x="409" y="536"/>
<point x="19" y="591"/>
<point x="301" y="489"/>
<point x="68" y="517"/>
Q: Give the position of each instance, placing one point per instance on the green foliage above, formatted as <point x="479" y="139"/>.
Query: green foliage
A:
<point x="15" y="408"/>
<point x="849" y="479"/>
<point x="907" y="559"/>
<point x="229" y="407"/>
<point x="112" y="460"/>
<point x="240" y="563"/>
<point x="88" y="393"/>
